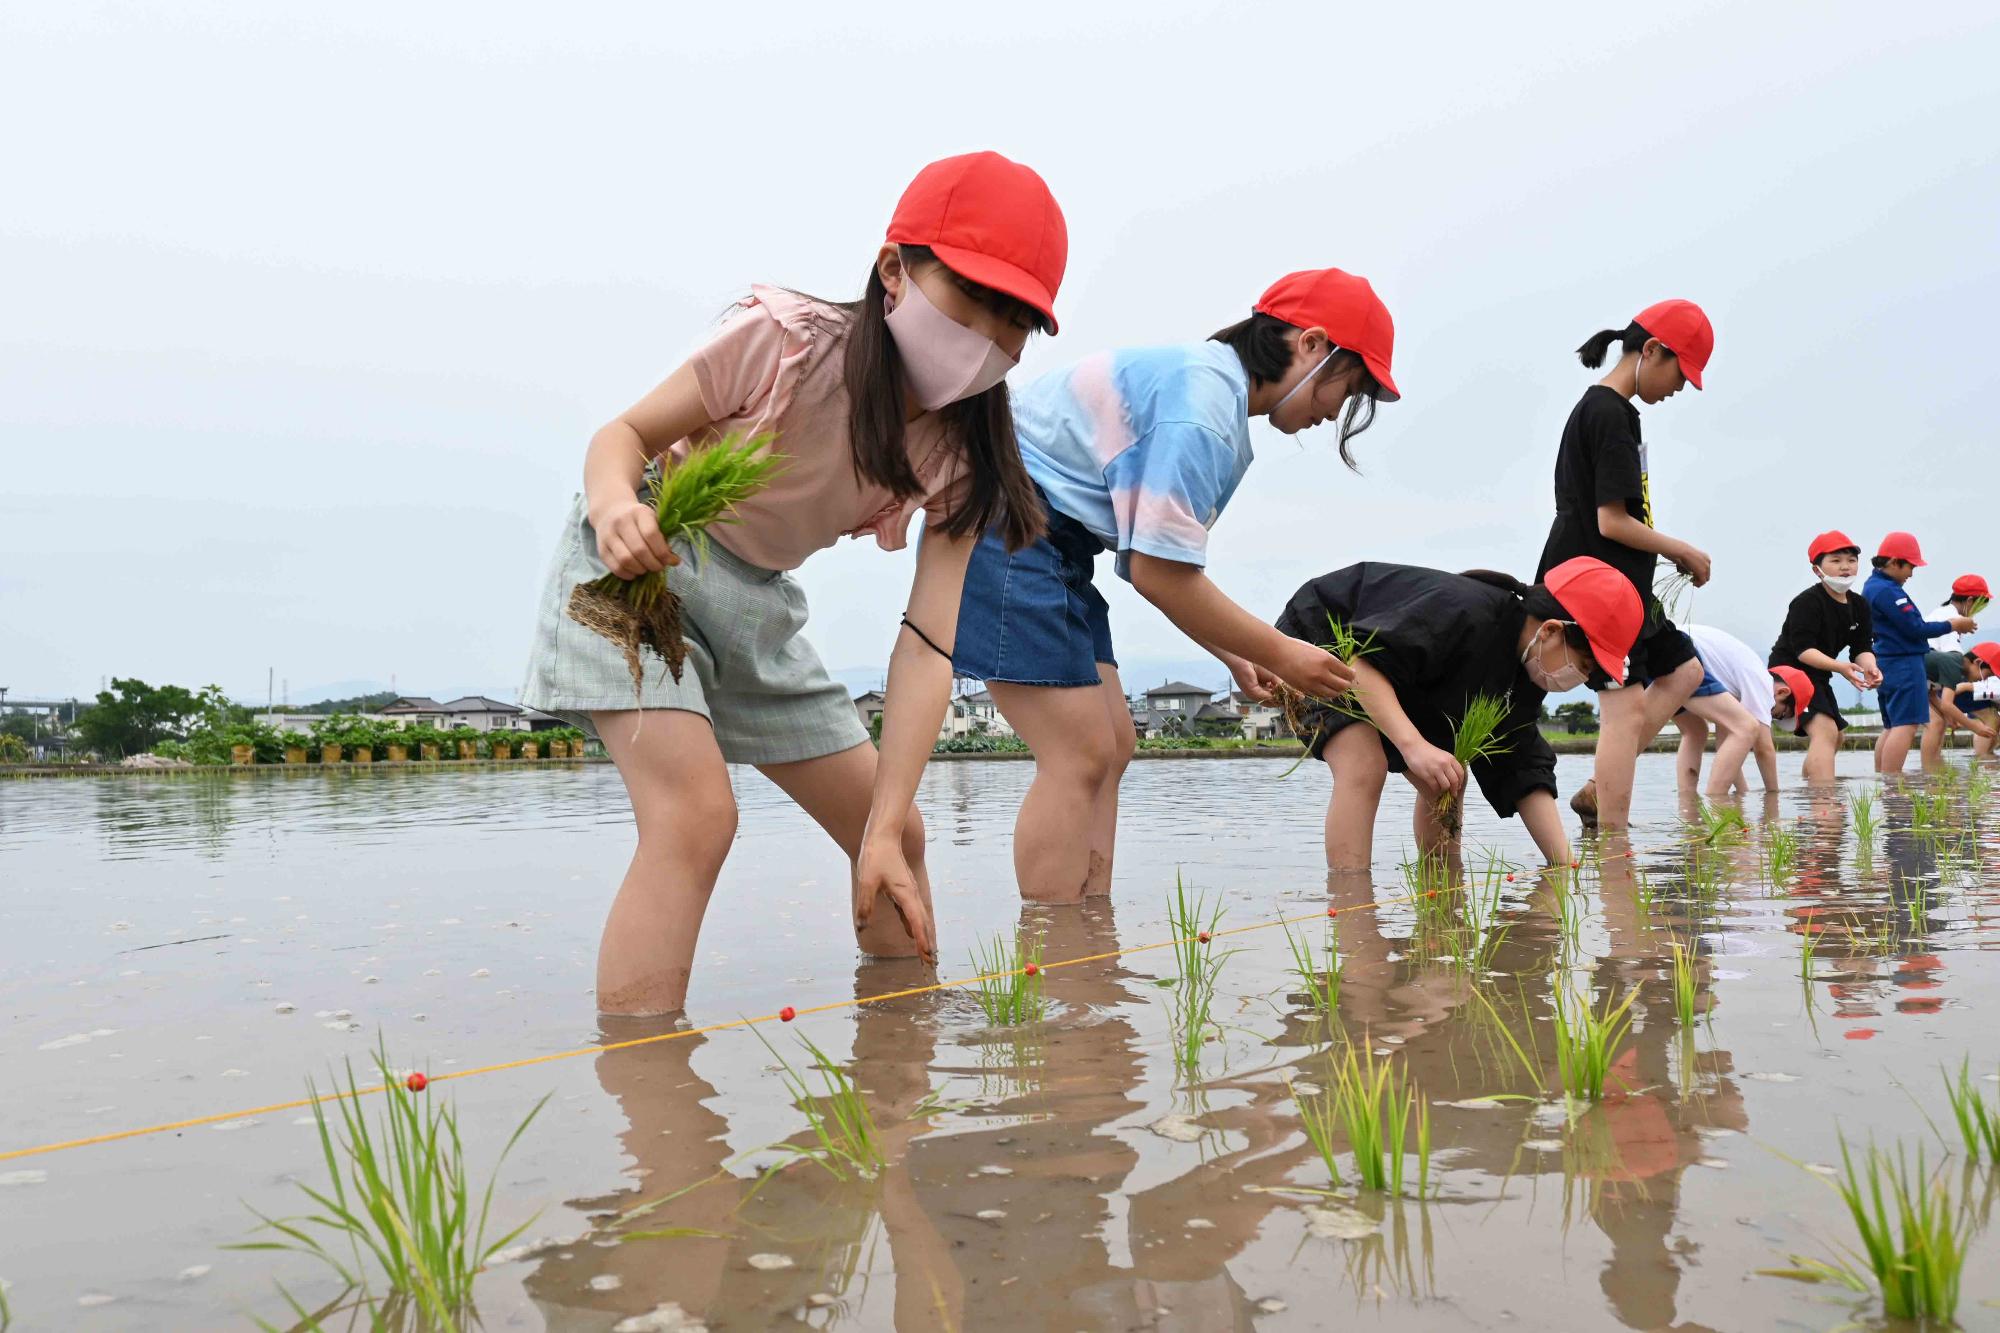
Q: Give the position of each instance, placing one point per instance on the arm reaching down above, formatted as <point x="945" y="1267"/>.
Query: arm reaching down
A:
<point x="919" y="690"/>
<point x="1203" y="612"/>
<point x="1615" y="524"/>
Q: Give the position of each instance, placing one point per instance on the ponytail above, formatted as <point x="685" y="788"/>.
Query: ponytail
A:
<point x="1536" y="600"/>
<point x="1629" y="339"/>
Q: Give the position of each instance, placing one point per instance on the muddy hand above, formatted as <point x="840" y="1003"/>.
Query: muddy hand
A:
<point x="885" y="871"/>
<point x="629" y="541"/>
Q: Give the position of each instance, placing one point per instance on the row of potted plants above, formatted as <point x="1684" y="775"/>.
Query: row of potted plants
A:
<point x="344" y="738"/>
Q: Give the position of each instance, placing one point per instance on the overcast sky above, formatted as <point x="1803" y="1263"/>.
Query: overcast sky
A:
<point x="306" y="314"/>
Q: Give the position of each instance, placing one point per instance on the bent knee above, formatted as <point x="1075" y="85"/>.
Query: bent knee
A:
<point x="913" y="836"/>
<point x="698" y="824"/>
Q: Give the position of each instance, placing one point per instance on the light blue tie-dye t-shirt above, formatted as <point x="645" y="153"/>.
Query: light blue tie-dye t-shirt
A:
<point x="1142" y="446"/>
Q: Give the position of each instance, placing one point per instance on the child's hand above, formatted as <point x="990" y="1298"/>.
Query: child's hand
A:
<point x="882" y="869"/>
<point x="1314" y="672"/>
<point x="1964" y="624"/>
<point x="1433" y="769"/>
<point x="1692" y="563"/>
<point x="629" y="541"/>
<point x="1981" y="730"/>
<point x="1255" y="682"/>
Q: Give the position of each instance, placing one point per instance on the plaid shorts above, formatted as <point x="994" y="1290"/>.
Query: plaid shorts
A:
<point x="749" y="669"/>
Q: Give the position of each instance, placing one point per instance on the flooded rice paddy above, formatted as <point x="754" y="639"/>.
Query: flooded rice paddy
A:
<point x="180" y="946"/>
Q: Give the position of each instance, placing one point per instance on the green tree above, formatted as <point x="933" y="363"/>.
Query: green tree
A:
<point x="131" y="717"/>
<point x="1577" y="716"/>
<point x="13" y="750"/>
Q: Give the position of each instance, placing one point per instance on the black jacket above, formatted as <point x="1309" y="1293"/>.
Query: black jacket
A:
<point x="1440" y="639"/>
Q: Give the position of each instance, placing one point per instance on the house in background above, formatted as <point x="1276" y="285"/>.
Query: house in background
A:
<point x="483" y="714"/>
<point x="1171" y="708"/>
<point x="412" y="709"/>
<point x="985" y="714"/>
<point x="1261" y="722"/>
<point x="869" y="706"/>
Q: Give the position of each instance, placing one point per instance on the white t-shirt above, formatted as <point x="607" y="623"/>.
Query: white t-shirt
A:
<point x="1948" y="641"/>
<point x="1741" y="671"/>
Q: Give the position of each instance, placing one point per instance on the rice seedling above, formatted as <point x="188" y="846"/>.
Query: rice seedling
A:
<point x="1781" y="853"/>
<point x="1703" y="877"/>
<point x="845" y="1141"/>
<point x="1643" y="890"/>
<point x="1927" y="812"/>
<point x="1319" y="979"/>
<point x="1719" y="825"/>
<point x="1978" y="1120"/>
<point x="1376" y="1107"/>
<point x="1009" y="991"/>
<point x="6" y="1314"/>
<point x="1298" y="708"/>
<point x="1918" y="906"/>
<point x="687" y="498"/>
<point x="1587" y="1039"/>
<point x="1475" y="736"/>
<point x="397" y="1201"/>
<point x="1570" y="909"/>
<point x="1809" y="934"/>
<point x="1978" y="784"/>
<point x="1685" y="983"/>
<point x="1194" y="921"/>
<point x="1670" y="597"/>
<point x="1863" y="805"/>
<point x="1913" y="1241"/>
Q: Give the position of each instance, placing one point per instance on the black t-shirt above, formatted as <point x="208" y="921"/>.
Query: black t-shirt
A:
<point x="1601" y="461"/>
<point x="1440" y="639"/>
<point x="1816" y="620"/>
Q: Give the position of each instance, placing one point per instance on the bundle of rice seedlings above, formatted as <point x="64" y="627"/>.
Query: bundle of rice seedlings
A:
<point x="686" y="498"/>
<point x="1475" y="736"/>
<point x="1350" y="648"/>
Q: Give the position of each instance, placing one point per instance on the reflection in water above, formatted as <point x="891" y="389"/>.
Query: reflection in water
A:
<point x="1032" y="1181"/>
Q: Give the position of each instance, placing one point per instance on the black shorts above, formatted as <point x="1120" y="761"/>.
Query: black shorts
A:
<point x="1662" y="649"/>
<point x="1823" y="705"/>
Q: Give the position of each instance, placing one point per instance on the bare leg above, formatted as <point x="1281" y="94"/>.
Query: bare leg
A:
<point x="1077" y="756"/>
<point x="1104" y="825"/>
<point x="1822" y="748"/>
<point x="1892" y="747"/>
<point x="836" y="790"/>
<point x="687" y="819"/>
<point x="1354" y="757"/>
<point x="1933" y="742"/>
<point x="1687" y="759"/>
<point x="1736" y="734"/>
<point x="1432" y="839"/>
<point x="1632" y="717"/>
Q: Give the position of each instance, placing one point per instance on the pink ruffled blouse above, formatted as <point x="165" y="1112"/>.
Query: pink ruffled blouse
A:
<point x="775" y="366"/>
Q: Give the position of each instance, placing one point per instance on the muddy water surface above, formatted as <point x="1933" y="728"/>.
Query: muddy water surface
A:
<point x="179" y="946"/>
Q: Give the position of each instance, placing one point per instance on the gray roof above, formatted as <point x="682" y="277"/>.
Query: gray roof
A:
<point x="479" y="703"/>
<point x="1211" y="710"/>
<point x="1178" y="687"/>
<point x="872" y="694"/>
<point x="414" y="703"/>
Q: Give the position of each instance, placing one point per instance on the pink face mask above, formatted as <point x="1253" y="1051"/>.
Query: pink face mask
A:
<point x="945" y="361"/>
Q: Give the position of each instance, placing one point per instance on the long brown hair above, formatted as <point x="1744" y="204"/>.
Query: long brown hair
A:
<point x="1000" y="495"/>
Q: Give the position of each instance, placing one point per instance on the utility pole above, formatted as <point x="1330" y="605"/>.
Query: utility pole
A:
<point x="269" y="674"/>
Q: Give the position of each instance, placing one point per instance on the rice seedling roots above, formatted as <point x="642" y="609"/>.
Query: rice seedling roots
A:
<point x="656" y="626"/>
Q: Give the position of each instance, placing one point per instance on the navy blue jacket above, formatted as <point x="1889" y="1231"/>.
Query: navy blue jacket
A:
<point x="1900" y="628"/>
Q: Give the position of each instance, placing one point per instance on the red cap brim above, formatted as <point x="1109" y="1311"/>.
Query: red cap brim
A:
<point x="1380" y="370"/>
<point x="1613" y="663"/>
<point x="1008" y="279"/>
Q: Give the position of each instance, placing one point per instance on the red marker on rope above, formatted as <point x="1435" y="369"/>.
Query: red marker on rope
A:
<point x="787" y="1014"/>
<point x="1203" y="937"/>
<point x="1032" y="969"/>
<point x="416" y="1082"/>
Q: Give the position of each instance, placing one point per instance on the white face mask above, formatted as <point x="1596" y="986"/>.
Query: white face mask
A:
<point x="1534" y="657"/>
<point x="944" y="360"/>
<point x="1311" y="376"/>
<point x="1837" y="582"/>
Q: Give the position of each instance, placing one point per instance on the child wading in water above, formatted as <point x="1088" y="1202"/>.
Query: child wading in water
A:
<point x="1431" y="643"/>
<point x="1137" y="452"/>
<point x="1737" y="693"/>
<point x="880" y="407"/>
<point x="1902" y="637"/>
<point x="1948" y="666"/>
<point x="1604" y="509"/>
<point x="1820" y="623"/>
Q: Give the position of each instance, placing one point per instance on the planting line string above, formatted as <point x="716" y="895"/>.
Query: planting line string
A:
<point x="677" y="1034"/>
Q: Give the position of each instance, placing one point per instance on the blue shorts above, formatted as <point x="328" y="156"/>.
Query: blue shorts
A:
<point x="1709" y="684"/>
<point x="1905" y="692"/>
<point x="1033" y="616"/>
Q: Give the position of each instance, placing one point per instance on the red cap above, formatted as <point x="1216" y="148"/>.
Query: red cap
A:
<point x="1970" y="585"/>
<point x="1685" y="330"/>
<point x="1833" y="539"/>
<point x="993" y="222"/>
<point x="1605" y="603"/>
<point x="1988" y="652"/>
<point x="1900" y="546"/>
<point x="1346" y="307"/>
<point x="1801" y="687"/>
